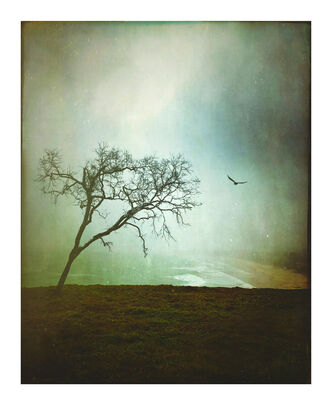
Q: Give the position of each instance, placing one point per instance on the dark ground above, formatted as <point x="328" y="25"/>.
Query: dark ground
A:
<point x="165" y="334"/>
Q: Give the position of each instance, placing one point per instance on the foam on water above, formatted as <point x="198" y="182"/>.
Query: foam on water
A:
<point x="209" y="276"/>
<point x="191" y="280"/>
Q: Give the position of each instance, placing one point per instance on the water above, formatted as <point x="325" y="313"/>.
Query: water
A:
<point x="154" y="271"/>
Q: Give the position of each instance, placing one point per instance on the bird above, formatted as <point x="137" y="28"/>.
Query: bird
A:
<point x="235" y="183"/>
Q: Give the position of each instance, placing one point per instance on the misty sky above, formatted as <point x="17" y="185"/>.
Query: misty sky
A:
<point x="232" y="97"/>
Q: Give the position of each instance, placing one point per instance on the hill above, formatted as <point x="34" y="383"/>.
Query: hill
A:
<point x="165" y="334"/>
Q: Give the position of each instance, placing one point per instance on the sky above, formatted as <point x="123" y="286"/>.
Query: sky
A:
<point x="233" y="98"/>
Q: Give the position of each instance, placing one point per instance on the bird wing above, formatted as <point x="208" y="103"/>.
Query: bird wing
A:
<point x="241" y="182"/>
<point x="231" y="179"/>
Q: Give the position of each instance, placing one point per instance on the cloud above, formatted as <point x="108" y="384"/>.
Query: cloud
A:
<point x="157" y="69"/>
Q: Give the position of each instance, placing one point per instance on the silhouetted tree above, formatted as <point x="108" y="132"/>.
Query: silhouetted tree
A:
<point x="150" y="188"/>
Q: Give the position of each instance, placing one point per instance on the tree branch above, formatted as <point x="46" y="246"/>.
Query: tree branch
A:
<point x="151" y="189"/>
<point x="145" y="250"/>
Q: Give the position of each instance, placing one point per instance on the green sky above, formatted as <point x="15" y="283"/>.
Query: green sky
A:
<point x="234" y="98"/>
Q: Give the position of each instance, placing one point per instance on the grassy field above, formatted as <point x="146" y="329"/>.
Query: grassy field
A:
<point x="165" y="334"/>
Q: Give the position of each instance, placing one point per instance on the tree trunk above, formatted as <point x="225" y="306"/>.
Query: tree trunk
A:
<point x="76" y="250"/>
<point x="65" y="272"/>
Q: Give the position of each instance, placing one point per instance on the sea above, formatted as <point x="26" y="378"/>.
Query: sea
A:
<point x="186" y="272"/>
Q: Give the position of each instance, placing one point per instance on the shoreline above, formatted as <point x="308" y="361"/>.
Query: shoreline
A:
<point x="270" y="276"/>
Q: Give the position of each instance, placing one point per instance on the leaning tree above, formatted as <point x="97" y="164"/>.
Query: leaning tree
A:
<point x="151" y="190"/>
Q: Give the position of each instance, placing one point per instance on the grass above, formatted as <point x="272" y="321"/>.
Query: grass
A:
<point x="165" y="334"/>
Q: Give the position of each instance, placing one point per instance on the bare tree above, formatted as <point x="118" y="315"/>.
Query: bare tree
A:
<point x="151" y="190"/>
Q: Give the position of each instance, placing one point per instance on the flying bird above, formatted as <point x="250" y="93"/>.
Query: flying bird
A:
<point x="235" y="183"/>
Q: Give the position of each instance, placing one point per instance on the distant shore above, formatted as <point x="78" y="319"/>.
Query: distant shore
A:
<point x="270" y="276"/>
<point x="165" y="334"/>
